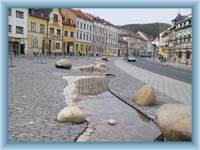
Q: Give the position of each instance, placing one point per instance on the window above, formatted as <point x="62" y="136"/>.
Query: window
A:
<point x="187" y="54"/>
<point x="55" y="18"/>
<point x="81" y="25"/>
<point x="179" y="54"/>
<point x="66" y="33"/>
<point x="87" y="37"/>
<point x="19" y="14"/>
<point x="19" y="30"/>
<point x="58" y="32"/>
<point x="10" y="12"/>
<point x="9" y="28"/>
<point x="77" y="24"/>
<point x="35" y="43"/>
<point x="189" y="38"/>
<point x="57" y="45"/>
<point x="77" y="35"/>
<point x="80" y="36"/>
<point x="42" y="28"/>
<point x="84" y="26"/>
<point x="71" y="34"/>
<point x="33" y="26"/>
<point x="52" y="31"/>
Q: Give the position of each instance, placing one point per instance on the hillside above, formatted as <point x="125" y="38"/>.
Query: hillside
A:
<point x="151" y="29"/>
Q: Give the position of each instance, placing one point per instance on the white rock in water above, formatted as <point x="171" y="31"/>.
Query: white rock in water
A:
<point x="112" y="122"/>
<point x="71" y="114"/>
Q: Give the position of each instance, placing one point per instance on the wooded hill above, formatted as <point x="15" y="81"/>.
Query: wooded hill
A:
<point x="151" y="29"/>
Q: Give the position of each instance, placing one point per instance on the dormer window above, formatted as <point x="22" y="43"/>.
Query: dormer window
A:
<point x="55" y="18"/>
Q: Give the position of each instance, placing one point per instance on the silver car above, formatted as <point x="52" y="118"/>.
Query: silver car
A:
<point x="132" y="58"/>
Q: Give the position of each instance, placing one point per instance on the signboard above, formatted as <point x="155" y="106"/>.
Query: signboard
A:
<point x="163" y="49"/>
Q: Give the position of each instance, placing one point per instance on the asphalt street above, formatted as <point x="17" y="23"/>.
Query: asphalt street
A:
<point x="184" y="75"/>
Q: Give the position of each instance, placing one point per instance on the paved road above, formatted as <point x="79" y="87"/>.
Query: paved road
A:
<point x="165" y="70"/>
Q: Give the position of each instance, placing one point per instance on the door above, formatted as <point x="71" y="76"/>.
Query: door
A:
<point x="43" y="45"/>
<point x="49" y="51"/>
<point x="22" y="49"/>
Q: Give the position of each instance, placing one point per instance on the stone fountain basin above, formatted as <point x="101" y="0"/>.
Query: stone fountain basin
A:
<point x="99" y="105"/>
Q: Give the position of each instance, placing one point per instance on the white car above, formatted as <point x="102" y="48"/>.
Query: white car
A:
<point x="132" y="58"/>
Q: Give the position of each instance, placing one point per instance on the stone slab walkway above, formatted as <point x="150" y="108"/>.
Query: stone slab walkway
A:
<point x="131" y="125"/>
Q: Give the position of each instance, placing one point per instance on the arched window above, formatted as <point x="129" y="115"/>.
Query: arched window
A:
<point x="179" y="54"/>
<point x="187" y="54"/>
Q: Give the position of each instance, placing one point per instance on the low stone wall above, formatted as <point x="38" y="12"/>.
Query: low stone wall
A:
<point x="84" y="85"/>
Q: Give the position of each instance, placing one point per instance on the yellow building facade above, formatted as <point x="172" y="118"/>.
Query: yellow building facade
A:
<point x="37" y="32"/>
<point x="69" y="29"/>
<point x="55" y="32"/>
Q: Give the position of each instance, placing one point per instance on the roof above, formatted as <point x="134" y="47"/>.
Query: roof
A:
<point x="132" y="34"/>
<point x="121" y="40"/>
<point x="81" y="14"/>
<point x="179" y="18"/>
<point x="39" y="12"/>
<point x="144" y="35"/>
<point x="96" y="18"/>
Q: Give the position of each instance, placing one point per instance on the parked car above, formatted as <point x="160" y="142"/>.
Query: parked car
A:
<point x="104" y="58"/>
<point x="132" y="58"/>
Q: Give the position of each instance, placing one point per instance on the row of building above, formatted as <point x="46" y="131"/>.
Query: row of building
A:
<point x="139" y="44"/>
<point x="175" y="43"/>
<point x="58" y="31"/>
<point x="71" y="32"/>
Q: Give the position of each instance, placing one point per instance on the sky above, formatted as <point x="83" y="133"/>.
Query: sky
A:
<point x="119" y="16"/>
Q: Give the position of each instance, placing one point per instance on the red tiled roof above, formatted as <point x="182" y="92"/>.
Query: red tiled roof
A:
<point x="145" y="35"/>
<point x="81" y="14"/>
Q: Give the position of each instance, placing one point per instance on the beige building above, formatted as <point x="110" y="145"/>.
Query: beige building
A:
<point x="55" y="32"/>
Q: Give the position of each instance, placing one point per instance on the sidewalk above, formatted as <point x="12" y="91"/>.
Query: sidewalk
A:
<point x="181" y="66"/>
<point x="178" y="90"/>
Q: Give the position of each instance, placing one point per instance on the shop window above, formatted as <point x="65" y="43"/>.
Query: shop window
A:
<point x="187" y="54"/>
<point x="57" y="45"/>
<point x="179" y="54"/>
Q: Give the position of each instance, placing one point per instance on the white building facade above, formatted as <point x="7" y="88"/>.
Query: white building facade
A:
<point x="17" y="30"/>
<point x="98" y="37"/>
<point x="84" y="30"/>
<point x="111" y="40"/>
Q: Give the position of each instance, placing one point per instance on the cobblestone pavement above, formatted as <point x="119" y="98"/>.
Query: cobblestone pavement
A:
<point x="131" y="125"/>
<point x="35" y="98"/>
<point x="178" y="90"/>
<point x="125" y="86"/>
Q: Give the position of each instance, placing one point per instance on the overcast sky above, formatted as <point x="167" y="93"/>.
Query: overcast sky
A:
<point x="131" y="16"/>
